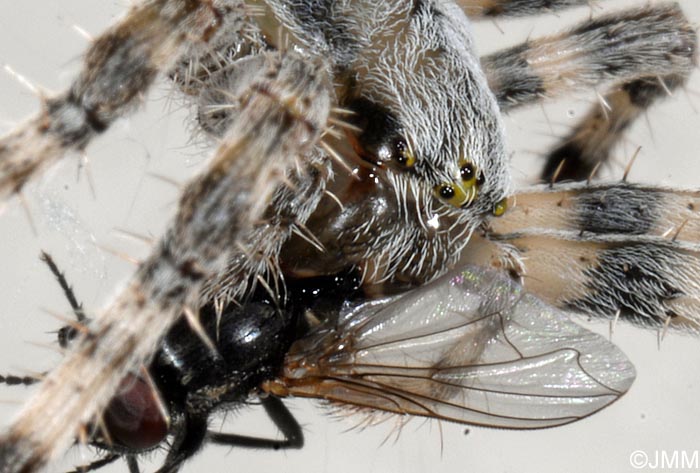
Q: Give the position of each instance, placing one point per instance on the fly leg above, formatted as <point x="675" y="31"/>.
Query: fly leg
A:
<point x="189" y="437"/>
<point x="97" y="464"/>
<point x="282" y="418"/>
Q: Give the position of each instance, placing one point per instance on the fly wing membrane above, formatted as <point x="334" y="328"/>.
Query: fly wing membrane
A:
<point x="472" y="347"/>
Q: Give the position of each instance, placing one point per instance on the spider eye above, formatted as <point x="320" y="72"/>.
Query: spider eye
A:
<point x="455" y="194"/>
<point x="500" y="207"/>
<point x="446" y="192"/>
<point x="462" y="194"/>
<point x="402" y="153"/>
<point x="379" y="138"/>
<point x="467" y="172"/>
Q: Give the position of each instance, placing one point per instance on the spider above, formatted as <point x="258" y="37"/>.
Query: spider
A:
<point x="98" y="187"/>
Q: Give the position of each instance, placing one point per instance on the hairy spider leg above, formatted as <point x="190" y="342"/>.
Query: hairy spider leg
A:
<point x="646" y="52"/>
<point x="492" y="9"/>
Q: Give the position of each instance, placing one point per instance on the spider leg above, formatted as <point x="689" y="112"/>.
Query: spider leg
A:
<point x="237" y="36"/>
<point x="648" y="52"/>
<point x="282" y="118"/>
<point x="283" y="419"/>
<point x="621" y="47"/>
<point x="483" y="9"/>
<point x="590" y="142"/>
<point x="614" y="250"/>
<point x="118" y="68"/>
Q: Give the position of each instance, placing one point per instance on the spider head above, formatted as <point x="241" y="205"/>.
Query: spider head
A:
<point x="427" y="117"/>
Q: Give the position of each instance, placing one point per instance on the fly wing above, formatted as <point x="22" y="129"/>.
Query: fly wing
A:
<point x="472" y="347"/>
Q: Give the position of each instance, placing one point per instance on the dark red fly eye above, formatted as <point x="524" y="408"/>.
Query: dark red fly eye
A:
<point x="133" y="417"/>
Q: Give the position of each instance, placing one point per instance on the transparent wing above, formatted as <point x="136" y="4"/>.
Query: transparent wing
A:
<point x="471" y="347"/>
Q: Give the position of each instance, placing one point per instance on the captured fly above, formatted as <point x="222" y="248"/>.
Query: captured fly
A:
<point x="472" y="347"/>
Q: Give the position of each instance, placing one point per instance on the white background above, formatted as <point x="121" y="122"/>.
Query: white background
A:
<point x="38" y="40"/>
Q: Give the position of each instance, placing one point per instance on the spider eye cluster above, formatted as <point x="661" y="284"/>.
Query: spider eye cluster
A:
<point x="379" y="138"/>
<point x="394" y="151"/>
<point x="402" y="153"/>
<point x="463" y="192"/>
